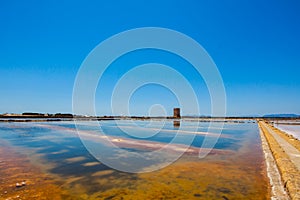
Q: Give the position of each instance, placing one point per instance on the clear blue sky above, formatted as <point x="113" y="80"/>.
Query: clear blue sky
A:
<point x="255" y="45"/>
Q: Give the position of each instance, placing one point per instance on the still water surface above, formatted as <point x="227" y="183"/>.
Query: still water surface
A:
<point x="235" y="168"/>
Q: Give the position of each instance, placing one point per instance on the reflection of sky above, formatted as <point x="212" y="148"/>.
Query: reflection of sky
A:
<point x="56" y="139"/>
<point x="230" y="137"/>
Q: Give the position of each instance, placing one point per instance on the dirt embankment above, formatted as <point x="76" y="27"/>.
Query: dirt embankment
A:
<point x="289" y="172"/>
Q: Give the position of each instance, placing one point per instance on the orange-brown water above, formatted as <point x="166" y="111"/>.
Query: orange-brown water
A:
<point x="238" y="178"/>
<point x="17" y="168"/>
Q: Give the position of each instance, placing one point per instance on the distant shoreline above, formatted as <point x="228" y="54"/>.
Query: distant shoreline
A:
<point x="63" y="116"/>
<point x="69" y="117"/>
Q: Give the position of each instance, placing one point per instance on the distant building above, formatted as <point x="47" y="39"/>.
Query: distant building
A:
<point x="176" y="113"/>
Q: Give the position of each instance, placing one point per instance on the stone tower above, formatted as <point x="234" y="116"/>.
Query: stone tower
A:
<point x="176" y="113"/>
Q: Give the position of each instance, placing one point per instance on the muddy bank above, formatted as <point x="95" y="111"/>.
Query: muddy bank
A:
<point x="289" y="172"/>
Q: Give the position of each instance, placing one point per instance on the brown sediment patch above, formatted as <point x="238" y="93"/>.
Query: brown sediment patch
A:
<point x="75" y="159"/>
<point x="72" y="179"/>
<point x="289" y="172"/>
<point x="89" y="164"/>
<point x="15" y="168"/>
<point x="194" y="180"/>
<point x="103" y="173"/>
<point x="59" y="152"/>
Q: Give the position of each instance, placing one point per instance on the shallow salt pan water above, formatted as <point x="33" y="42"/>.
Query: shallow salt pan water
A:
<point x="235" y="169"/>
